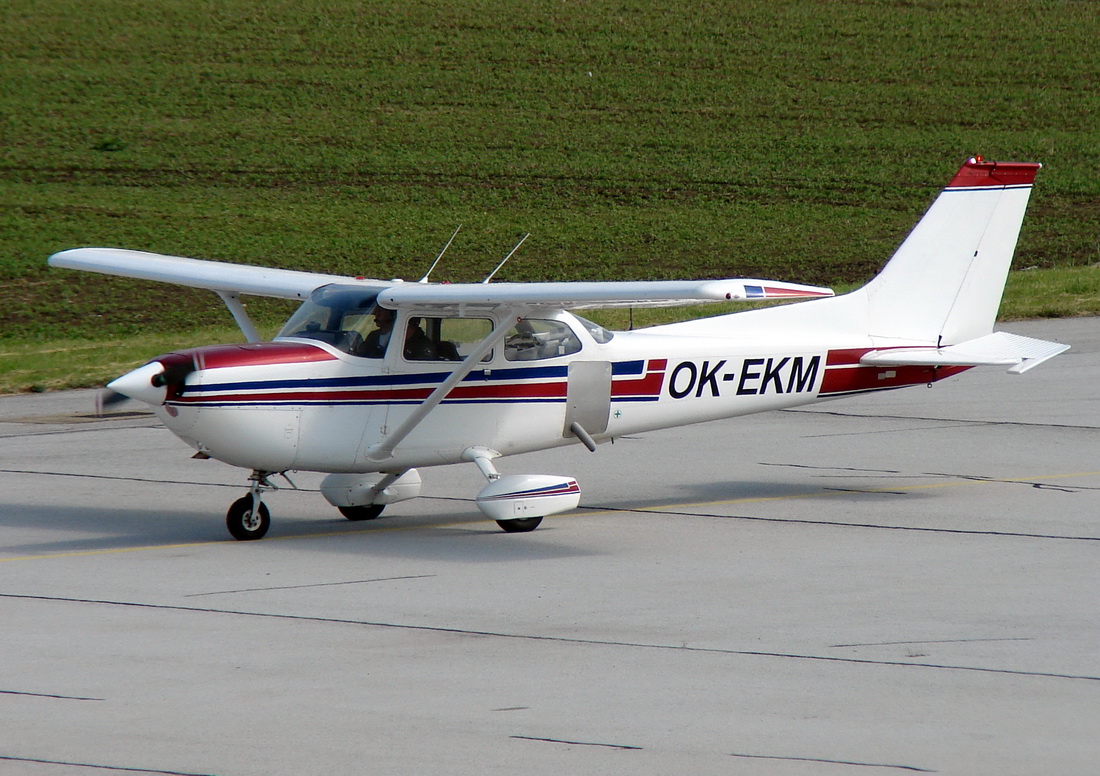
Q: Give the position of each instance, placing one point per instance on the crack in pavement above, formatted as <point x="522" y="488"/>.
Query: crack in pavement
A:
<point x="829" y="762"/>
<point x="554" y="639"/>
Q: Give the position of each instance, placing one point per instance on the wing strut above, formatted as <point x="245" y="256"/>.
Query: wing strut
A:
<point x="240" y="315"/>
<point x="384" y="449"/>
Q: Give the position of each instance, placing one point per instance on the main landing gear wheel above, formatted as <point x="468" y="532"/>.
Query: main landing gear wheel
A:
<point x="520" y="526"/>
<point x="368" y="512"/>
<point x="247" y="519"/>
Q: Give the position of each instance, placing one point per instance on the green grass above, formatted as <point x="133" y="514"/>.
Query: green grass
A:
<point x="796" y="140"/>
<point x="1053" y="293"/>
<point x="45" y="365"/>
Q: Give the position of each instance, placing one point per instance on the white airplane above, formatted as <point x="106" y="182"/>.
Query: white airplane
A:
<point x="486" y="370"/>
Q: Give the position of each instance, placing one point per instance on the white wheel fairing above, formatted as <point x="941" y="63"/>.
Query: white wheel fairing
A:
<point x="523" y="496"/>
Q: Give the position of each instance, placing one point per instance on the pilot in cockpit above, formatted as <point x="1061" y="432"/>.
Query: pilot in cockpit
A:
<point x="418" y="346"/>
<point x="374" y="346"/>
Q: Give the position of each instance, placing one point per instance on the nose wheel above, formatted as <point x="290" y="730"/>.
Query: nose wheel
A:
<point x="248" y="517"/>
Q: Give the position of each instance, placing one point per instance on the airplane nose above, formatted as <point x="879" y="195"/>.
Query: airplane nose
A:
<point x="142" y="384"/>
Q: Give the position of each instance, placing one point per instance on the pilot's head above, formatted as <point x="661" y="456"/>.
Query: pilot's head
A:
<point x="383" y="318"/>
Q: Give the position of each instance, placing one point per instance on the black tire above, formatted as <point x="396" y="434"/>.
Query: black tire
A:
<point x="368" y="512"/>
<point x="246" y="524"/>
<point x="520" y="526"/>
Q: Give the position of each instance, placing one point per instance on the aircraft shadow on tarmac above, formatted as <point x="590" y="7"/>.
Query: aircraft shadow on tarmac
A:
<point x="692" y="496"/>
<point x="457" y="534"/>
<point x="435" y="523"/>
<point x="102" y="529"/>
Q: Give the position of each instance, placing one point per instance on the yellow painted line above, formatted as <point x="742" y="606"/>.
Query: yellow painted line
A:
<point x="227" y="542"/>
<point x="579" y="513"/>
<point x="112" y="551"/>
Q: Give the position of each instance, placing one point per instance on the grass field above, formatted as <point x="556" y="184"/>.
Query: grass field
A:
<point x="796" y="140"/>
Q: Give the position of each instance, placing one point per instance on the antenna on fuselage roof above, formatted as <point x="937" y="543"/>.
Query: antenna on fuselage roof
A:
<point x="440" y="256"/>
<point x="505" y="259"/>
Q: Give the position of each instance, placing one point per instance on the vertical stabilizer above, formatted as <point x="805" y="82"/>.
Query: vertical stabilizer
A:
<point x="944" y="284"/>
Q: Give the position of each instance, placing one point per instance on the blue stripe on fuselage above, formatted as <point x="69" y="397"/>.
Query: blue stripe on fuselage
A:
<point x="391" y="381"/>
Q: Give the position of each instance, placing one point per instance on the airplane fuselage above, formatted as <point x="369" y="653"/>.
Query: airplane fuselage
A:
<point x="297" y="404"/>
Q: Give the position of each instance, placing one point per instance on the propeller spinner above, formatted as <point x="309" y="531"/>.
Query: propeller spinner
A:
<point x="151" y="384"/>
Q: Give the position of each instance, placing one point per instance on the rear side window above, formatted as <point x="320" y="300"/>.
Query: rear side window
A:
<point x="444" y="339"/>
<point x="535" y="340"/>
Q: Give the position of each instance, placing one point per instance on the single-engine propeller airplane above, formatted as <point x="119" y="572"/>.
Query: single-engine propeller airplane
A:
<point x="371" y="380"/>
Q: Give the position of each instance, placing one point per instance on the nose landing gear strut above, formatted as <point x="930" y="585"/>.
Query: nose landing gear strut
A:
<point x="248" y="517"/>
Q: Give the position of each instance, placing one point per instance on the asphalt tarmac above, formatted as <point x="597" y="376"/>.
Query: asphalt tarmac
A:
<point x="900" y="583"/>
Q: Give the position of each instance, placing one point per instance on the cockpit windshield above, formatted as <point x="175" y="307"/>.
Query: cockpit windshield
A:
<point x="338" y="315"/>
<point x="599" y="333"/>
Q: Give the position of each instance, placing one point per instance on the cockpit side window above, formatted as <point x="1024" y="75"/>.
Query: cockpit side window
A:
<point x="535" y="340"/>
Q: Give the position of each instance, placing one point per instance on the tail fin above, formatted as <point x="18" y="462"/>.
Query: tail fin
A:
<point x="941" y="287"/>
<point x="944" y="284"/>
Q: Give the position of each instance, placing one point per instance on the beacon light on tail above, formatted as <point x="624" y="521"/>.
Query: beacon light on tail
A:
<point x="372" y="381"/>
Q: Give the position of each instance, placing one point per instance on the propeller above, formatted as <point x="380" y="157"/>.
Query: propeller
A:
<point x="154" y="383"/>
<point x="106" y="399"/>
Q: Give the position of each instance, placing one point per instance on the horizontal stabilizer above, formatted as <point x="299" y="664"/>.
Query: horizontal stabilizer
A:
<point x="997" y="349"/>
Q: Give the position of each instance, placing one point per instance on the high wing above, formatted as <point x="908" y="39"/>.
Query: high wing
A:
<point x="582" y="295"/>
<point x="218" y="276"/>
<point x="232" y="279"/>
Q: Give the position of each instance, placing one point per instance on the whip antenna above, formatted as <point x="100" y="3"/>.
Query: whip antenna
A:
<point x="505" y="259"/>
<point x="440" y="256"/>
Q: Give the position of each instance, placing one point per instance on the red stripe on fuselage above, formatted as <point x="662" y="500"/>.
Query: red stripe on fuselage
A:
<point x="649" y="384"/>
<point x="844" y="373"/>
<point x="521" y="391"/>
<point x="462" y="392"/>
<point x="256" y="354"/>
<point x="846" y="357"/>
<point x="214" y="357"/>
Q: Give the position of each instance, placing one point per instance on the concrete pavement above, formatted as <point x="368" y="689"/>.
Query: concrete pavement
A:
<point x="887" y="584"/>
